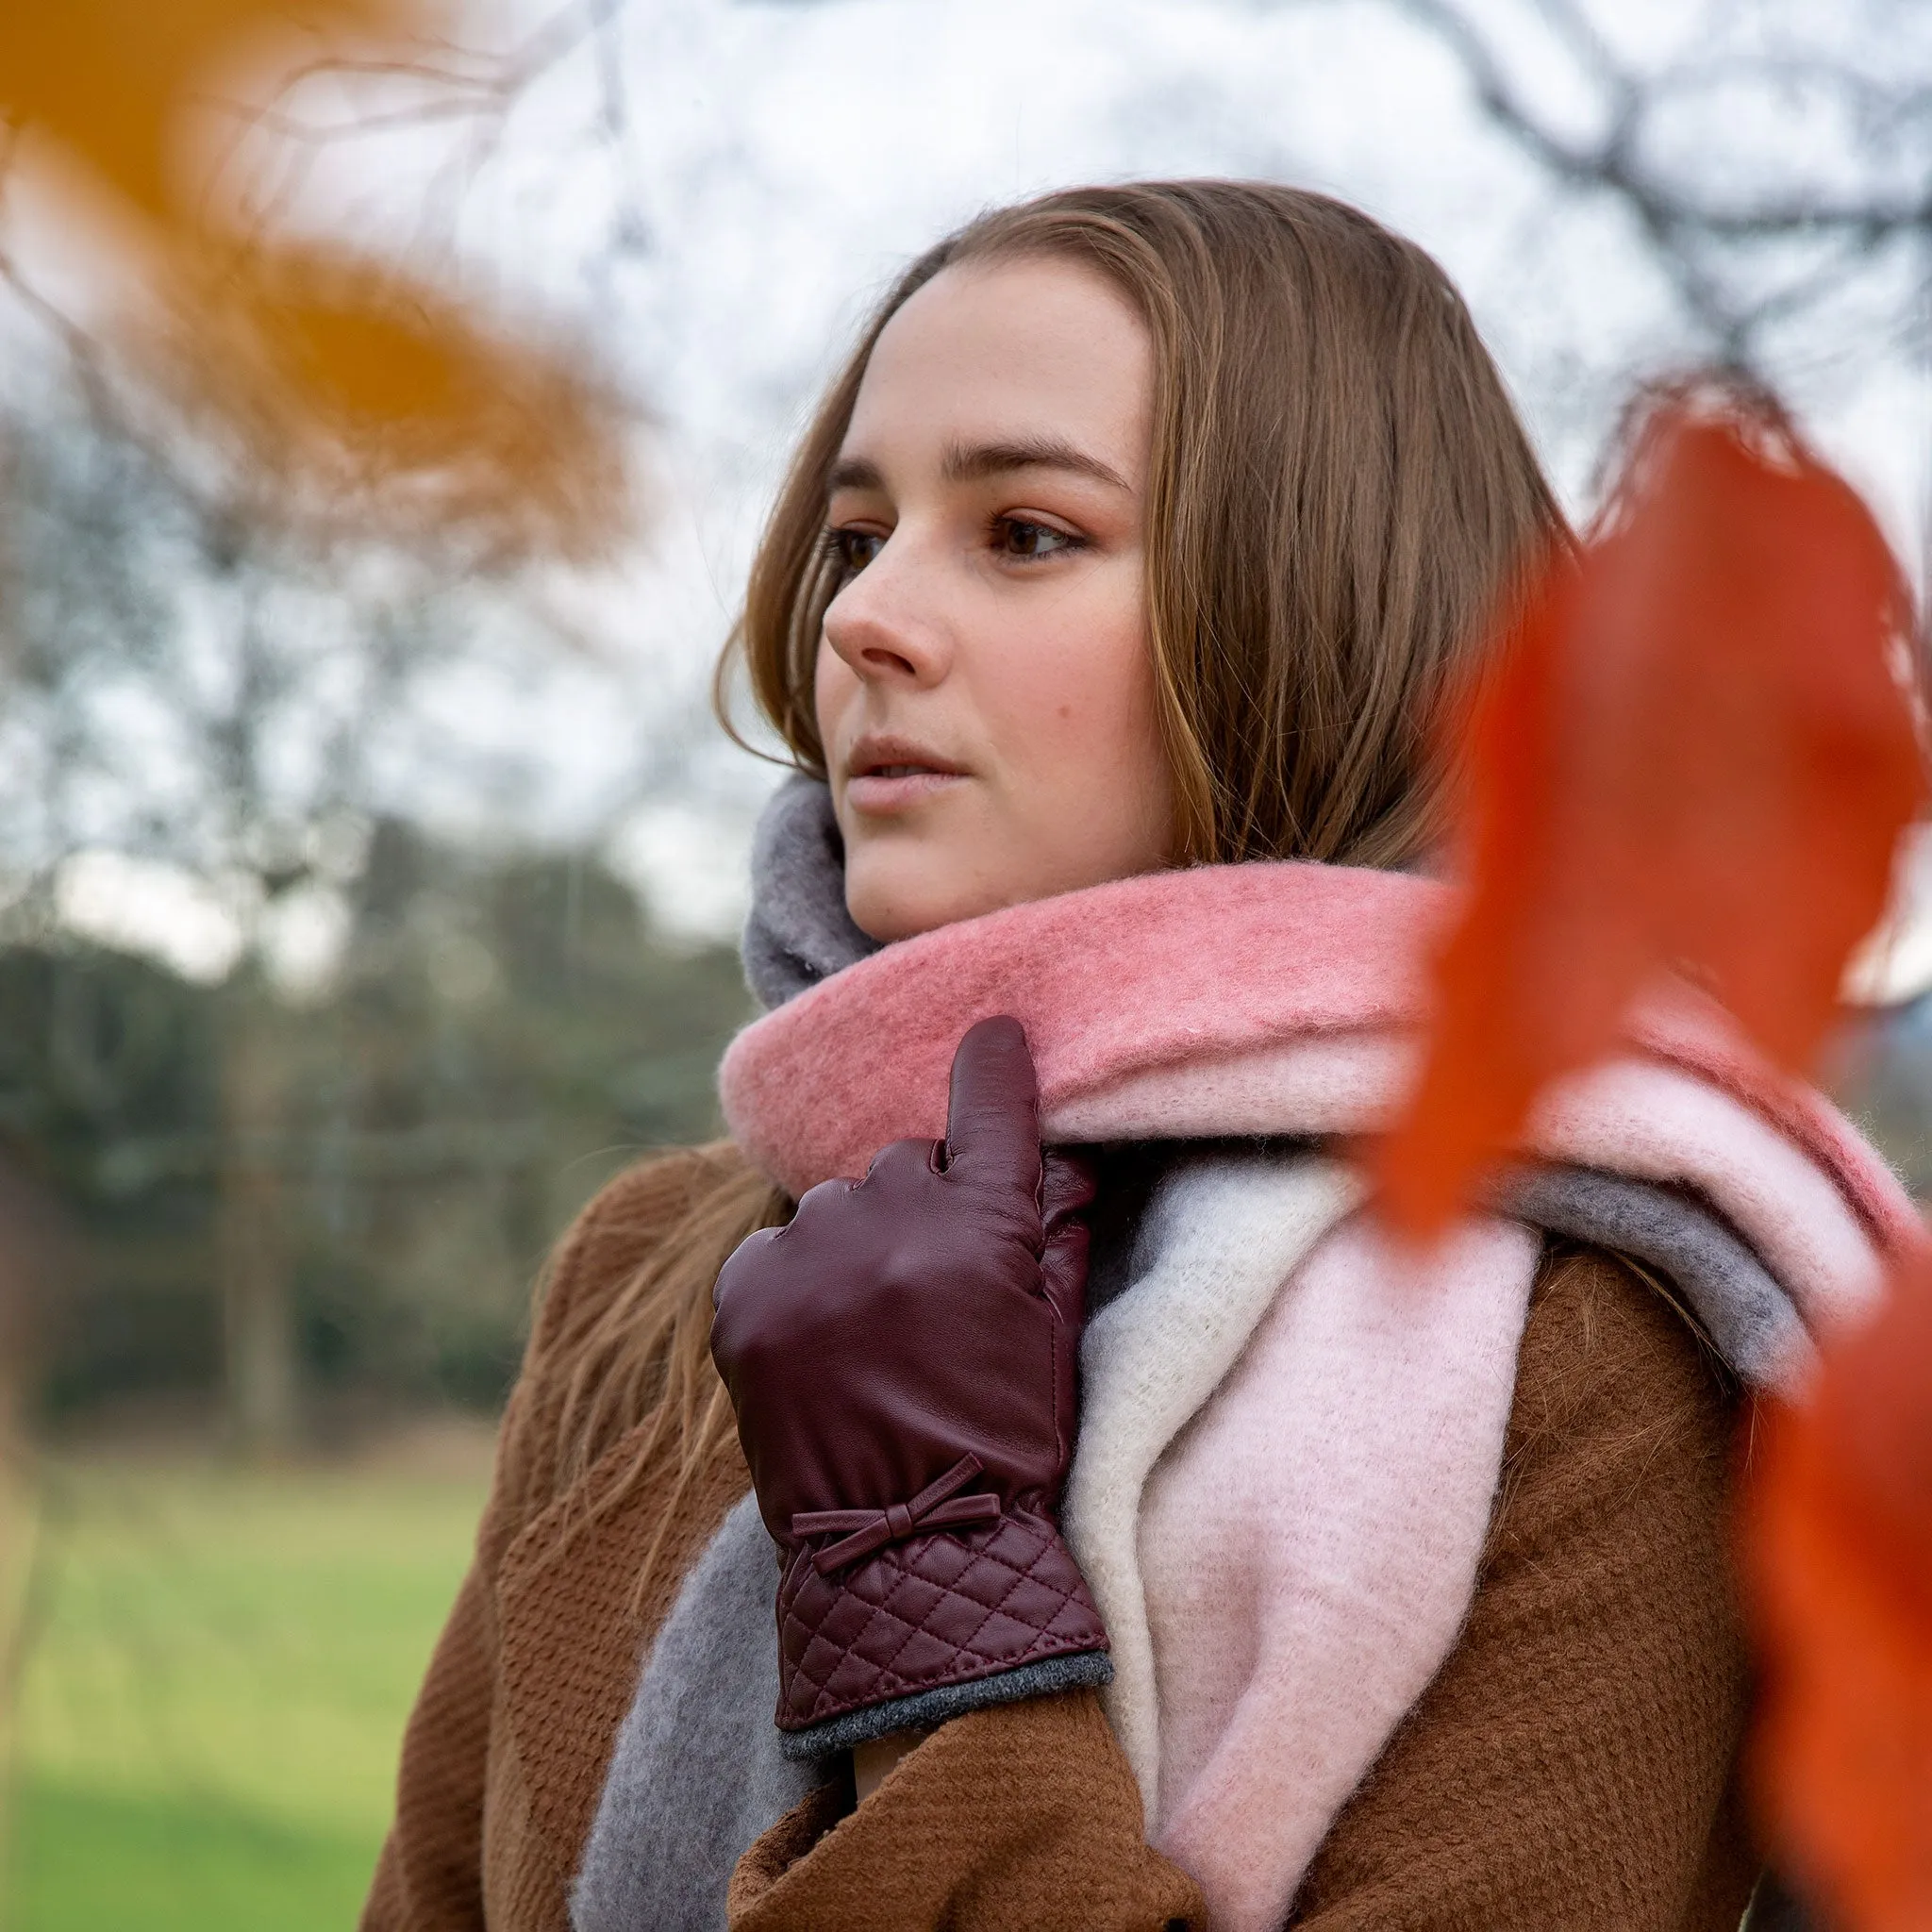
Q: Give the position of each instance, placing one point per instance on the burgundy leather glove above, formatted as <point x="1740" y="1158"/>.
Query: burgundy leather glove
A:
<point x="902" y="1358"/>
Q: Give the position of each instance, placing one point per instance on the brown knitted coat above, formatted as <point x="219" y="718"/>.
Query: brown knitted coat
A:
<point x="1572" y="1766"/>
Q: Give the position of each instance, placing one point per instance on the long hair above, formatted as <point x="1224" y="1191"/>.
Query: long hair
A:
<point x="1339" y="493"/>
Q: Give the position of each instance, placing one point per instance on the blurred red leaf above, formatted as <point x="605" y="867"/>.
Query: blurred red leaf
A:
<point x="1839" y="1559"/>
<point x="1696" y="753"/>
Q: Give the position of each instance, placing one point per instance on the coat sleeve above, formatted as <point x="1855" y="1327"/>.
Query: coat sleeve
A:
<point x="1021" y="1815"/>
<point x="429" y="1877"/>
<point x="1573" y="1764"/>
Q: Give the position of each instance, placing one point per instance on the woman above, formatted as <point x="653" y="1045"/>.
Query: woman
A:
<point x="1340" y="1587"/>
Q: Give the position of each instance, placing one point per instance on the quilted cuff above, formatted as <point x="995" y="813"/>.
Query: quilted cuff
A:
<point x="927" y="1617"/>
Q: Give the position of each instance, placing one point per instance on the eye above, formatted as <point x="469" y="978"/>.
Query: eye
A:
<point x="1016" y="537"/>
<point x="852" y="550"/>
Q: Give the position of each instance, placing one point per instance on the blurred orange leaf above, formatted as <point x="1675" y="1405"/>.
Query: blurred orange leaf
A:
<point x="1839" y="1558"/>
<point x="350" y="392"/>
<point x="1696" y="753"/>
<point x="397" y="402"/>
<point x="109" y="78"/>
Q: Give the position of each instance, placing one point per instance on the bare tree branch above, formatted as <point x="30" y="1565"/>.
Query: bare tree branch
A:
<point x="1688" y="226"/>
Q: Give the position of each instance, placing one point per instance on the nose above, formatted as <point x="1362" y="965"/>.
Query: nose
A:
<point x="886" y="623"/>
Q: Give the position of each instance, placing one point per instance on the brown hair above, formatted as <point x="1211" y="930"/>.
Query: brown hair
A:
<point x="1339" y="492"/>
<point x="645" y="1353"/>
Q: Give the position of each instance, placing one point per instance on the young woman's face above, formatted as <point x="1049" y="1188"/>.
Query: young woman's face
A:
<point x="985" y="688"/>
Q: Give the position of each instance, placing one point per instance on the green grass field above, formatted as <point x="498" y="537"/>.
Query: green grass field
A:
<point x="219" y="1672"/>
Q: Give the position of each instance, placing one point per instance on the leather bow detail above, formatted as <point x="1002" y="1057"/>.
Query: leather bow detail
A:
<point x="875" y="1528"/>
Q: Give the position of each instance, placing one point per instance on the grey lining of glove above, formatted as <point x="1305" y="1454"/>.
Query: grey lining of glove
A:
<point x="925" y="1708"/>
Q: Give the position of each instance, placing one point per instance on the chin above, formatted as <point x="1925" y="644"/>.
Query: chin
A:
<point x="899" y="901"/>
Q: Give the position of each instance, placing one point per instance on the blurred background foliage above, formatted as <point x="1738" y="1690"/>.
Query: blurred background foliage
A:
<point x="364" y="1182"/>
<point x="305" y="1168"/>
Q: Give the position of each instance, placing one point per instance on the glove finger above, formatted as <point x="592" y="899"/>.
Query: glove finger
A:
<point x="1067" y="1185"/>
<point x="1066" y="1188"/>
<point x="992" y="1119"/>
<point x="901" y="1165"/>
<point x="741" y="1258"/>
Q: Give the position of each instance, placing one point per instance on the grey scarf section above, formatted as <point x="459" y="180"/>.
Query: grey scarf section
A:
<point x="799" y="931"/>
<point x="697" y="1774"/>
<point x="1750" y="1319"/>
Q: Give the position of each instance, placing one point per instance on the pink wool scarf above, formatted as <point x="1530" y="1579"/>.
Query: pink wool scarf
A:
<point x="1293" y="1434"/>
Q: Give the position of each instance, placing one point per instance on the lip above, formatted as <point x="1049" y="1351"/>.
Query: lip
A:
<point x="886" y="773"/>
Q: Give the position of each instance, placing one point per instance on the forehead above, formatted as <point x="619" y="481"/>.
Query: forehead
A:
<point x="1007" y="348"/>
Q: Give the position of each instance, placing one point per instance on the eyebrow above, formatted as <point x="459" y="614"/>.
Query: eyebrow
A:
<point x="975" y="462"/>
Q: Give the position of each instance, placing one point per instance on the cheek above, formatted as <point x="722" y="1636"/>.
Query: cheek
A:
<point x="1075" y="704"/>
<point x="1082" y="688"/>
<point x="834" y="686"/>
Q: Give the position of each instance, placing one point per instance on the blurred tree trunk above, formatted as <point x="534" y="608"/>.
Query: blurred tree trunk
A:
<point x="251" y="1241"/>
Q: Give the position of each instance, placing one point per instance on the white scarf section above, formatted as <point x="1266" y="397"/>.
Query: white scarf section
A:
<point x="1289" y="1448"/>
